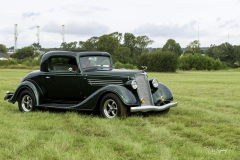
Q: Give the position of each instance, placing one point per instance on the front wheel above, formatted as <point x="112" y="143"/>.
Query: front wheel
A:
<point x="26" y="102"/>
<point x="165" y="111"/>
<point x="111" y="106"/>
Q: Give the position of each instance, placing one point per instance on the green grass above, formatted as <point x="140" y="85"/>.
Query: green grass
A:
<point x="205" y="124"/>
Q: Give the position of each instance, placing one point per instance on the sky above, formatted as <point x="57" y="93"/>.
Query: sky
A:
<point x="209" y="21"/>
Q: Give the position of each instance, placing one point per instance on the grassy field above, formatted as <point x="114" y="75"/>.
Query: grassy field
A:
<point x="205" y="125"/>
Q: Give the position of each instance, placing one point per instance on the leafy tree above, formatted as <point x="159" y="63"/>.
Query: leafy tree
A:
<point x="122" y="54"/>
<point x="226" y="52"/>
<point x="72" y="45"/>
<point x="142" y="42"/>
<point x="130" y="41"/>
<point x="137" y="45"/>
<point x="237" y="56"/>
<point x="118" y="36"/>
<point x="172" y="46"/>
<point x="36" y="46"/>
<point x="68" y="46"/>
<point x="63" y="45"/>
<point x="107" y="43"/>
<point x="194" y="47"/>
<point x="3" y="48"/>
<point x="23" y="53"/>
<point x="90" y="44"/>
<point x="213" y="51"/>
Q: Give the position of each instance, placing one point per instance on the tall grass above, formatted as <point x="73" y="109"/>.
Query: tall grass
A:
<point x="205" y="125"/>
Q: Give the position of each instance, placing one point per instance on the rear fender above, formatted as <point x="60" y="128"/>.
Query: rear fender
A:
<point x="30" y="86"/>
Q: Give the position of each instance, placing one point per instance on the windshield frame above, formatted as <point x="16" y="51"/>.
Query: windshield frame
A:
<point x="95" y="61"/>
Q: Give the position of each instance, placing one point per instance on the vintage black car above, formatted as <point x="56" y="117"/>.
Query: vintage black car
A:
<point x="87" y="81"/>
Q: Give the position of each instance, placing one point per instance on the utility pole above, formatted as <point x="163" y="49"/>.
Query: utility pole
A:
<point x="228" y="36"/>
<point x="63" y="33"/>
<point x="38" y="35"/>
<point x="15" y="38"/>
<point x="198" y="34"/>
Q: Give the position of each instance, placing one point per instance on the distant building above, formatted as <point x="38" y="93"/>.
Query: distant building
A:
<point x="11" y="51"/>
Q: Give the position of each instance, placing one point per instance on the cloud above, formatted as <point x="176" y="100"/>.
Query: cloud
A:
<point x="30" y="14"/>
<point x="218" y="19"/>
<point x="7" y="29"/>
<point x="81" y="10"/>
<point x="33" y="27"/>
<point x="77" y="28"/>
<point x="50" y="10"/>
<point x="168" y="30"/>
<point x="229" y="24"/>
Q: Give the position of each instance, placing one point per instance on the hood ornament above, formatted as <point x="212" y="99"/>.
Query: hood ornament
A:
<point x="144" y="67"/>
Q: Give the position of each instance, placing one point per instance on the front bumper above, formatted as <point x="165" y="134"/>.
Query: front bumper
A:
<point x="153" y="108"/>
<point x="8" y="95"/>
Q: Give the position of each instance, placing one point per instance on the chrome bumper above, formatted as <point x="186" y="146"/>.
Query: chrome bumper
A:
<point x="153" y="108"/>
<point x="8" y="95"/>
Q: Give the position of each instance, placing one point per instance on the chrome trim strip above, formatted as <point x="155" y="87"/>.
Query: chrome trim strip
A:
<point x="153" y="108"/>
<point x="103" y="82"/>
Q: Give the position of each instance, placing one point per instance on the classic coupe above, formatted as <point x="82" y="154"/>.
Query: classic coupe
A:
<point x="87" y="81"/>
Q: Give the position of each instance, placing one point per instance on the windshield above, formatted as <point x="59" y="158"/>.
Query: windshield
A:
<point x="94" y="61"/>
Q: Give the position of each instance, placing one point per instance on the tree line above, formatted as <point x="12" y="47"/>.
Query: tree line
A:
<point x="133" y="51"/>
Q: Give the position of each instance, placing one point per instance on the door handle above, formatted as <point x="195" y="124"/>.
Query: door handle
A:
<point x="47" y="77"/>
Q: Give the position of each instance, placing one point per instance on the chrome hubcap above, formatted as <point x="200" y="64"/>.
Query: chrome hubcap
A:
<point x="27" y="103"/>
<point x="110" y="108"/>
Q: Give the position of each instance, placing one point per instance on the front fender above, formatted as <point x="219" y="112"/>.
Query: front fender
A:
<point x="162" y="90"/>
<point x="26" y="85"/>
<point x="123" y="93"/>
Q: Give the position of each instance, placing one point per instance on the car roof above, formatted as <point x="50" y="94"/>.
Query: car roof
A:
<point x="75" y="53"/>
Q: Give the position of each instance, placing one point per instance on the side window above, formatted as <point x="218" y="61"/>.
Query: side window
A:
<point x="62" y="64"/>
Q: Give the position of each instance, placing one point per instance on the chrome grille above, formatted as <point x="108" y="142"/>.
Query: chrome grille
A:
<point x="102" y="82"/>
<point x="144" y="90"/>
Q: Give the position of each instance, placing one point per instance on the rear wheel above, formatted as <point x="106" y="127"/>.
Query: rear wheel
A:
<point x="111" y="106"/>
<point x="26" y="102"/>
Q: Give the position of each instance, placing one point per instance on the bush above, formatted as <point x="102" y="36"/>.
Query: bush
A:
<point x="6" y="63"/>
<point x="16" y="63"/>
<point x="31" y="62"/>
<point x="118" y="65"/>
<point x="3" y="63"/>
<point x="18" y="66"/>
<point x="199" y="62"/>
<point x="159" y="61"/>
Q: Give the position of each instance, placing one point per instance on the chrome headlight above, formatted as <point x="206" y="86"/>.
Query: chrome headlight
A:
<point x="155" y="83"/>
<point x="134" y="84"/>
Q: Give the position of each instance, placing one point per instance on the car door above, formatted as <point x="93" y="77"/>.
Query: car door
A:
<point x="60" y="84"/>
<point x="65" y="86"/>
